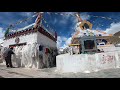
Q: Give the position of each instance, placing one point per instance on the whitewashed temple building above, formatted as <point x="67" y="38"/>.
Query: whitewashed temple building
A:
<point x="29" y="36"/>
<point x="34" y="46"/>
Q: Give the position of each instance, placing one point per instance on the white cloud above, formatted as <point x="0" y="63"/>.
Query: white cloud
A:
<point x="28" y="14"/>
<point x="68" y="41"/>
<point x="1" y="40"/>
<point x="8" y="18"/>
<point x="1" y="34"/>
<point x="114" y="27"/>
<point x="67" y="16"/>
<point x="85" y="16"/>
<point x="59" y="41"/>
<point x="64" y="46"/>
<point x="63" y="42"/>
<point x="55" y="21"/>
<point x="64" y="39"/>
<point x="98" y="28"/>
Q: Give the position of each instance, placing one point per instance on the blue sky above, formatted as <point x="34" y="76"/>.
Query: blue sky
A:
<point x="63" y="24"/>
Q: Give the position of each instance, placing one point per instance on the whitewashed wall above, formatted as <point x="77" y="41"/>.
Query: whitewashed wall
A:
<point x="29" y="38"/>
<point x="87" y="62"/>
<point x="109" y="49"/>
<point x="76" y="63"/>
<point x="44" y="40"/>
<point x="105" y="60"/>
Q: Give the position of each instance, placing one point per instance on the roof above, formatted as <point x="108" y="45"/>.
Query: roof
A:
<point x="21" y="29"/>
<point x="27" y="27"/>
<point x="117" y="34"/>
<point x="30" y="30"/>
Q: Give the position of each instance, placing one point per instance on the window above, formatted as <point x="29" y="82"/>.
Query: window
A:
<point x="86" y="26"/>
<point x="105" y="41"/>
<point x="102" y="44"/>
<point x="100" y="35"/>
<point x="89" y="44"/>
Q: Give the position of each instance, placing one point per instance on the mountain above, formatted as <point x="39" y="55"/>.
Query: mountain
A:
<point x="117" y="34"/>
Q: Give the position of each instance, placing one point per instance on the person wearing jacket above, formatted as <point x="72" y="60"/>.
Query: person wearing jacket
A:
<point x="7" y="55"/>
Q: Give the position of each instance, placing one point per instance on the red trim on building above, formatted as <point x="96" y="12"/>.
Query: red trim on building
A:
<point x="32" y="30"/>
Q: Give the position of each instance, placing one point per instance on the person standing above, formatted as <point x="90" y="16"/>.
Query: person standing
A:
<point x="7" y="55"/>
